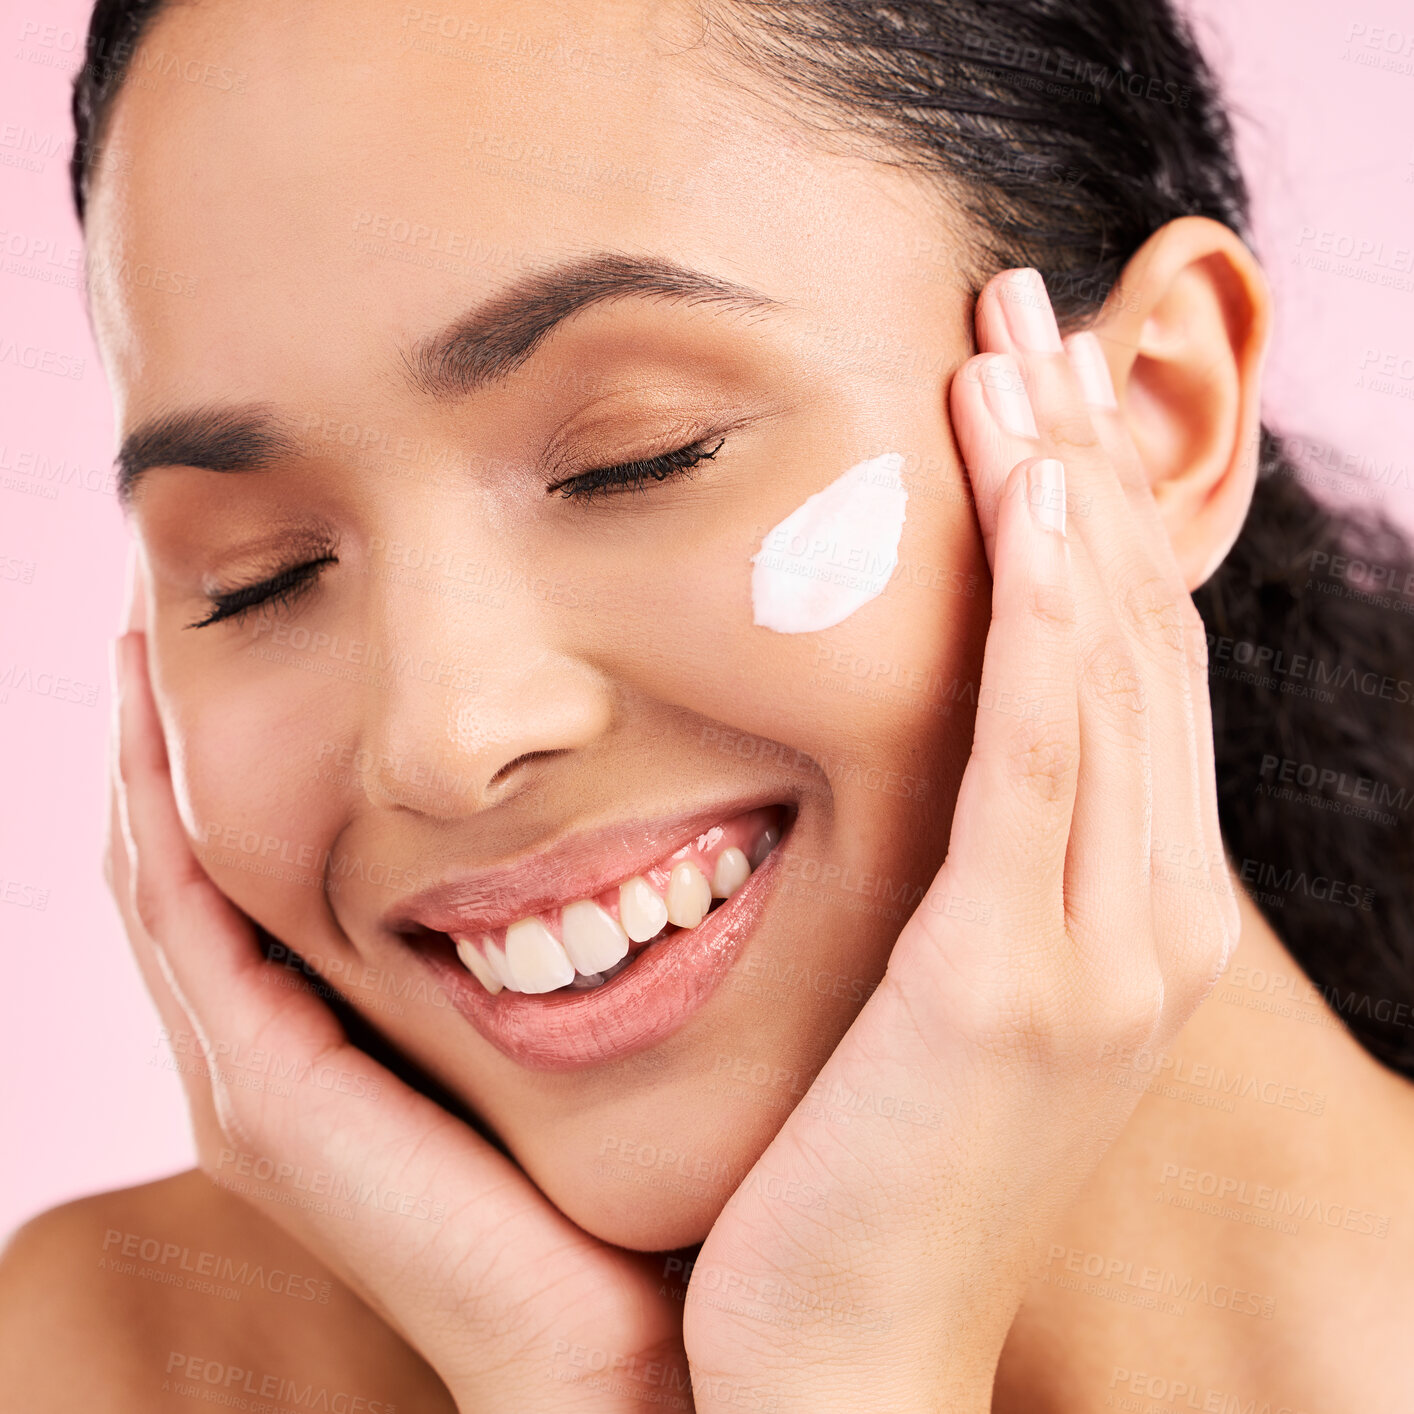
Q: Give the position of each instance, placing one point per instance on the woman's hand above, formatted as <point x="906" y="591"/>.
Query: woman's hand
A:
<point x="1046" y="943"/>
<point x="513" y="1305"/>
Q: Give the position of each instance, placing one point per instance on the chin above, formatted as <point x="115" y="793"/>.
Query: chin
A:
<point x="659" y="1212"/>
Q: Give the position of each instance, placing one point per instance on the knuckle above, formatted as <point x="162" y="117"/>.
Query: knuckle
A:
<point x="1070" y="429"/>
<point x="1025" y="1016"/>
<point x="1042" y="758"/>
<point x="1130" y="1005"/>
<point x="1036" y="1034"/>
<point x="1188" y="992"/>
<point x="1151" y="609"/>
<point x="1110" y="669"/>
<point x="1052" y="607"/>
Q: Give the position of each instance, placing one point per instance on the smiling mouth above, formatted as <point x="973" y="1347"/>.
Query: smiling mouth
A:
<point x="581" y="944"/>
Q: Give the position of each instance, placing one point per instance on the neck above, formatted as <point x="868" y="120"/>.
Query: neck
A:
<point x="1247" y="1242"/>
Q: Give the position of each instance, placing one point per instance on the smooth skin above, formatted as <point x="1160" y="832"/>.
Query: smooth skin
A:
<point x="939" y="1245"/>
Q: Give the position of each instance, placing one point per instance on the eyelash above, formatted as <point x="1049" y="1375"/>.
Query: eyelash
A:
<point x="635" y="475"/>
<point x="280" y="590"/>
<point x="284" y="589"/>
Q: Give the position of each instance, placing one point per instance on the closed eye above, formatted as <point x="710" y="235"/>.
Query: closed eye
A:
<point x="636" y="475"/>
<point x="281" y="590"/>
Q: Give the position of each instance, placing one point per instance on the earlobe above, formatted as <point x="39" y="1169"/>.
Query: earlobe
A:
<point x="1186" y="332"/>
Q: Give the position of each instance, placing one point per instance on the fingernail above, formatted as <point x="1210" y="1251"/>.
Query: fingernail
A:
<point x="1045" y="493"/>
<point x="1092" y="369"/>
<point x="1004" y="391"/>
<point x="1029" y="316"/>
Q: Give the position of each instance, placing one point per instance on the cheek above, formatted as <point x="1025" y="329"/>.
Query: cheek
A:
<point x="885" y="685"/>
<point x="247" y="747"/>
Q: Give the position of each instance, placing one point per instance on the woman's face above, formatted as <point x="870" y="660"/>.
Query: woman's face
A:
<point x="524" y="695"/>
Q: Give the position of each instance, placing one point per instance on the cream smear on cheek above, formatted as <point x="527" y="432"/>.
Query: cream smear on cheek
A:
<point x="833" y="554"/>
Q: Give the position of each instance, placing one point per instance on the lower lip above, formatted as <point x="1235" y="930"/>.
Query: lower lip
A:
<point x="647" y="1001"/>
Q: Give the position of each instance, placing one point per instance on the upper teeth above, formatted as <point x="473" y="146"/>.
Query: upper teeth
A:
<point x="689" y="896"/>
<point x="592" y="943"/>
<point x="641" y="911"/>
<point x="535" y="957"/>
<point x="475" y="963"/>
<point x="732" y="871"/>
<point x="591" y="936"/>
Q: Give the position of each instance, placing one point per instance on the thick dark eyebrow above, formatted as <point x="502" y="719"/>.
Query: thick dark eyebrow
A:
<point x="496" y="337"/>
<point x="486" y="344"/>
<point x="236" y="438"/>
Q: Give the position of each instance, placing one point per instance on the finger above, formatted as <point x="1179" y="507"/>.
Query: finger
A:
<point x="134" y="615"/>
<point x="995" y="429"/>
<point x="368" y="1134"/>
<point x="1127" y="707"/>
<point x="1087" y="355"/>
<point x="1113" y="810"/>
<point x="1014" y="317"/>
<point x="1092" y="373"/>
<point x="1136" y="572"/>
<point x="179" y="1032"/>
<point x="133" y="618"/>
<point x="1014" y="805"/>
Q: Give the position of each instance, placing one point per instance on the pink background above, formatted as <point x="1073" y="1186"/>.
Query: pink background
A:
<point x="1324" y="94"/>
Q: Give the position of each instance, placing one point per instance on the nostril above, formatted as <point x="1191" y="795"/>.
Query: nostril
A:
<point x="509" y="769"/>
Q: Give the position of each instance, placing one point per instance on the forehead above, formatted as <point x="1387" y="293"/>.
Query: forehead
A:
<point x="300" y="182"/>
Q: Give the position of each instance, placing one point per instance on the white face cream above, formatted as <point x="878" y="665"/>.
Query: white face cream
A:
<point x="834" y="554"/>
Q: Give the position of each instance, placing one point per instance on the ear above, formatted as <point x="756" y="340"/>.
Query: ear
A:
<point x="1185" y="333"/>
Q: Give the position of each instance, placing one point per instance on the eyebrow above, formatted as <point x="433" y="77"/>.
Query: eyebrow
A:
<point x="481" y="347"/>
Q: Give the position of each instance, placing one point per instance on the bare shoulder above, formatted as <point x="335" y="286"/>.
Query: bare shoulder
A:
<point x="152" y="1297"/>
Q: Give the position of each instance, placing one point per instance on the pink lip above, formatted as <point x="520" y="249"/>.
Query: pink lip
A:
<point x="641" y="1006"/>
<point x="581" y="866"/>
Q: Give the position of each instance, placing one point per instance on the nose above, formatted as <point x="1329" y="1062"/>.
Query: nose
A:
<point x="468" y="696"/>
